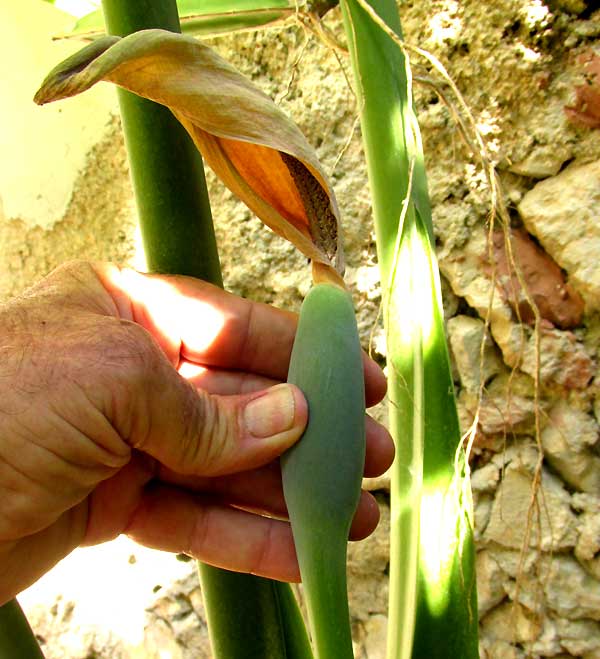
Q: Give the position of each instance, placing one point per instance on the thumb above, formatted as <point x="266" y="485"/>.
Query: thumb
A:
<point x="216" y="435"/>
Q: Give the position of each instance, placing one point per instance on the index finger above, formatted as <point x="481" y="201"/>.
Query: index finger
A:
<point x="196" y="321"/>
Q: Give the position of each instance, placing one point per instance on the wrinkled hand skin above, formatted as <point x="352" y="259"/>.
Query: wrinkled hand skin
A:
<point x="122" y="410"/>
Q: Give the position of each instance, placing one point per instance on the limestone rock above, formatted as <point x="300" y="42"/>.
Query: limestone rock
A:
<point x="465" y="335"/>
<point x="507" y="405"/>
<point x="506" y="413"/>
<point x="512" y="562"/>
<point x="490" y="582"/>
<point x="511" y="623"/>
<point x="587" y="549"/>
<point x="368" y="564"/>
<point x="562" y="358"/>
<point x="548" y="643"/>
<point x="572" y="6"/>
<point x="486" y="478"/>
<point x="588" y="543"/>
<point x="464" y="271"/>
<point x="522" y="454"/>
<point x="580" y="638"/>
<point x="562" y="212"/>
<point x="525" y="588"/>
<point x="516" y="513"/>
<point x="586" y="503"/>
<point x="482" y="511"/>
<point x="449" y="300"/>
<point x="378" y="483"/>
<point x="567" y="440"/>
<point x="61" y="636"/>
<point x="542" y="162"/>
<point x="585" y="111"/>
<point x="570" y="591"/>
<point x="453" y="223"/>
<point x="483" y="484"/>
<point x="176" y="623"/>
<point x="494" y="649"/>
<point x="375" y="637"/>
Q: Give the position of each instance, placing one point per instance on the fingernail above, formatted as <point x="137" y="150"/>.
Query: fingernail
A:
<point x="272" y="413"/>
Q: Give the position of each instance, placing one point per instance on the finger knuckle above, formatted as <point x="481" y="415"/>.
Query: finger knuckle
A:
<point x="75" y="272"/>
<point x="205" y="434"/>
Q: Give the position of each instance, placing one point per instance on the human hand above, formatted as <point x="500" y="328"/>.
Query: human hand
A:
<point x="136" y="404"/>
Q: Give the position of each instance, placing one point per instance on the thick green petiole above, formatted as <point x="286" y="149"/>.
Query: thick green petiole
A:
<point x="252" y="617"/>
<point x="322" y="473"/>
<point x="17" y="640"/>
<point x="166" y="169"/>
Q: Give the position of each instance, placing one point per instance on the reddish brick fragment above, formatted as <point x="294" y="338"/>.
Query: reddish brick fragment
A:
<point x="558" y="302"/>
<point x="586" y="110"/>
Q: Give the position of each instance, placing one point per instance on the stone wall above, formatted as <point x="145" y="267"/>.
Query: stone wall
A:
<point x="536" y="482"/>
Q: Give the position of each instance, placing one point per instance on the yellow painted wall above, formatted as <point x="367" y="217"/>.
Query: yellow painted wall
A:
<point x="43" y="148"/>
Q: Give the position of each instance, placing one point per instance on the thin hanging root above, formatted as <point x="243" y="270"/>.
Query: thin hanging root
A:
<point x="347" y="144"/>
<point x="313" y="22"/>
<point x="295" y="67"/>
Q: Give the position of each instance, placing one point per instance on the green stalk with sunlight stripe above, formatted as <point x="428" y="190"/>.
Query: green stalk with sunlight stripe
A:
<point x="432" y="609"/>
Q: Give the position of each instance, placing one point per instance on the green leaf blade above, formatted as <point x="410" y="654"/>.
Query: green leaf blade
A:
<point x="203" y="18"/>
<point x="433" y="609"/>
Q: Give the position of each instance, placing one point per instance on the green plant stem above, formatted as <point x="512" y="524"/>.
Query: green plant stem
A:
<point x="178" y="234"/>
<point x="252" y="617"/>
<point x="166" y="169"/>
<point x="433" y="610"/>
<point x="17" y="640"/>
<point x="297" y="643"/>
<point x="325" y="587"/>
